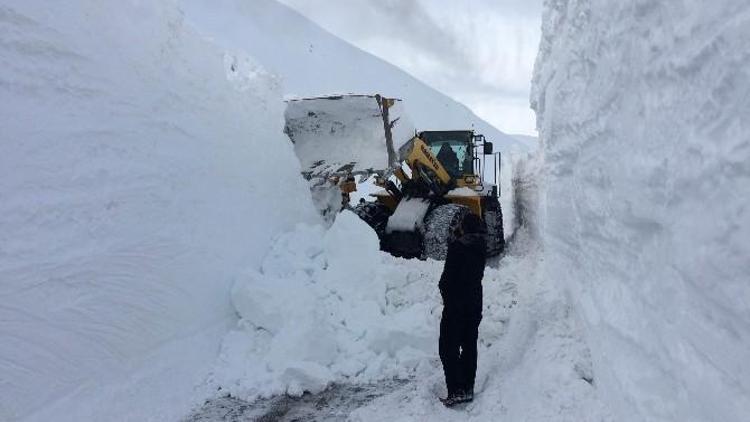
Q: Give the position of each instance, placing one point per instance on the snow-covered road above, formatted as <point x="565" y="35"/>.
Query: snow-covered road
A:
<point x="533" y="362"/>
<point x="335" y="403"/>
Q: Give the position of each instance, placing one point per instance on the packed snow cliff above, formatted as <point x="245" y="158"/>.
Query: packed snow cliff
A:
<point x="141" y="170"/>
<point x="643" y="110"/>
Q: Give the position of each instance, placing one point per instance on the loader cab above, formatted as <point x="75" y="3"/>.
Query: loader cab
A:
<point x="454" y="149"/>
<point x="468" y="157"/>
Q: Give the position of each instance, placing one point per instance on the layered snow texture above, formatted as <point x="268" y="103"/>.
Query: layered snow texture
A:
<point x="644" y="108"/>
<point x="141" y="169"/>
<point x="312" y="62"/>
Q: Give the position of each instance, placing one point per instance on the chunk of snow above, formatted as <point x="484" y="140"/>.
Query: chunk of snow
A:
<point x="462" y="191"/>
<point x="327" y="315"/>
<point x="409" y="215"/>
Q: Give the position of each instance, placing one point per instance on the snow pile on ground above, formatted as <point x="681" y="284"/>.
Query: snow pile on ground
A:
<point x="327" y="306"/>
<point x="643" y="110"/>
<point x="313" y="62"/>
<point x="141" y="169"/>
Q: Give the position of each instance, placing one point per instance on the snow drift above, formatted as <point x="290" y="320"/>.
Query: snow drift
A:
<point x="141" y="169"/>
<point x="643" y="110"/>
<point x="327" y="306"/>
<point x="339" y="311"/>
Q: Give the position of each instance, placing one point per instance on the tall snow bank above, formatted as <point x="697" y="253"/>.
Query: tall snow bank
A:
<point x="643" y="110"/>
<point x="140" y="169"/>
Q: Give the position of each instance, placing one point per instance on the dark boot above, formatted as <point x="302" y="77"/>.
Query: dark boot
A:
<point x="451" y="400"/>
<point x="465" y="396"/>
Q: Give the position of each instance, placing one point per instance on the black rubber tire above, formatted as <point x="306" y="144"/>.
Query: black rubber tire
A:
<point x="495" y="234"/>
<point x="440" y="228"/>
<point x="375" y="215"/>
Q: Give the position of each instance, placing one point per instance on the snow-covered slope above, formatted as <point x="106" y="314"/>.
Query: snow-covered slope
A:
<point x="643" y="109"/>
<point x="313" y="62"/>
<point x="140" y="169"/>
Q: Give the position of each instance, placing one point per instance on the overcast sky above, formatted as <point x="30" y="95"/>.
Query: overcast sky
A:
<point x="480" y="52"/>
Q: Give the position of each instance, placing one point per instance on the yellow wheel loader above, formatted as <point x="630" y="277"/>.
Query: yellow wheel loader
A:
<point x="440" y="178"/>
<point x="428" y="181"/>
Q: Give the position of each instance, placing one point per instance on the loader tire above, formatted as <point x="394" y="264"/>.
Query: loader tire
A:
<point x="375" y="215"/>
<point x="440" y="229"/>
<point x="495" y="234"/>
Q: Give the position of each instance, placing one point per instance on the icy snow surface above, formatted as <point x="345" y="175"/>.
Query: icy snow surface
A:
<point x="140" y="169"/>
<point x="644" y="111"/>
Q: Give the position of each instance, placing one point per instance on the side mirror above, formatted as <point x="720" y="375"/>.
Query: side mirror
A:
<point x="488" y="148"/>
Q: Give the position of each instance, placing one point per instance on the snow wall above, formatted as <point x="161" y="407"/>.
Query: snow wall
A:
<point x="644" y="111"/>
<point x="140" y="169"/>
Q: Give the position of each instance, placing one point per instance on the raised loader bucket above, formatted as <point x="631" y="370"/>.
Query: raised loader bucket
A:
<point x="343" y="137"/>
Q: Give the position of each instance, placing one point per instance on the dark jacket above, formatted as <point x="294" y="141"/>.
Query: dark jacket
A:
<point x="461" y="281"/>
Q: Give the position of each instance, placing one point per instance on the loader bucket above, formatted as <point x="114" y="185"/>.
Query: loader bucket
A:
<point x="343" y="132"/>
<point x="337" y="137"/>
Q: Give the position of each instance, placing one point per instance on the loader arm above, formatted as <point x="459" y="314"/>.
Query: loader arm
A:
<point x="427" y="171"/>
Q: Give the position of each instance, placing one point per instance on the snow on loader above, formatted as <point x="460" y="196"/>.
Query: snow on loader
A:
<point x="425" y="184"/>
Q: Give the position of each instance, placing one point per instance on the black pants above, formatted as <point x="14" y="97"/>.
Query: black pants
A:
<point x="458" y="350"/>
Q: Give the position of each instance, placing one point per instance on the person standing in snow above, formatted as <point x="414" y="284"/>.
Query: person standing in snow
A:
<point x="461" y="289"/>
